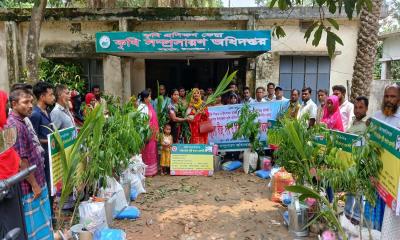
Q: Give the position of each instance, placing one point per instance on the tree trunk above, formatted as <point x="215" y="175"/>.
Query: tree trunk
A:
<point x="32" y="47"/>
<point x="366" y="50"/>
<point x="101" y="3"/>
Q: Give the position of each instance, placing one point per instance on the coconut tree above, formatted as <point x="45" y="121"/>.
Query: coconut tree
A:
<point x="366" y="50"/>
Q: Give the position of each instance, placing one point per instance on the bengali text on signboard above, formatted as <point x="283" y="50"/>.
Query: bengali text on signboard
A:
<point x="210" y="41"/>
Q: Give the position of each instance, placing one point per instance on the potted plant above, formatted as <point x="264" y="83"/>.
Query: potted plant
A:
<point x="248" y="127"/>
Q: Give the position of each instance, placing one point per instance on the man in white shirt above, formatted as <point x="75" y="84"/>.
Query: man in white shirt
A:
<point x="246" y="95"/>
<point x="60" y="115"/>
<point x="346" y="108"/>
<point x="308" y="107"/>
<point x="260" y="91"/>
<point x="279" y="94"/>
<point x="271" y="92"/>
<point x="390" y="114"/>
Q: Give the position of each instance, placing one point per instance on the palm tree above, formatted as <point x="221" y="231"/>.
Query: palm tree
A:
<point x="366" y="50"/>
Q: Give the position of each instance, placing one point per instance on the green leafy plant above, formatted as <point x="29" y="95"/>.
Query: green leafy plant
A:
<point x="248" y="127"/>
<point x="71" y="161"/>
<point x="162" y="109"/>
<point x="67" y="73"/>
<point x="296" y="152"/>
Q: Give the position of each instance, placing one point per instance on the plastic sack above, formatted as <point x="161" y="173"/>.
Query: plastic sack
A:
<point x="263" y="174"/>
<point x="135" y="174"/>
<point x="130" y="212"/>
<point x="92" y="215"/>
<point x="134" y="194"/>
<point x="231" y="165"/>
<point x="280" y="180"/>
<point x="250" y="160"/>
<point x="109" y="234"/>
<point x="114" y="190"/>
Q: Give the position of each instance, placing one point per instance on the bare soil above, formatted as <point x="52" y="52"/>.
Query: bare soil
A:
<point x="228" y="205"/>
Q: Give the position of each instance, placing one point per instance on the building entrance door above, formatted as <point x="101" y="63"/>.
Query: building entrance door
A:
<point x="201" y="73"/>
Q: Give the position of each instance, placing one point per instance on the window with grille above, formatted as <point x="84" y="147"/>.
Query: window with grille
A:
<point x="304" y="71"/>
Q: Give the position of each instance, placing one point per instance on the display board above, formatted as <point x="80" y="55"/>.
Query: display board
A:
<point x="388" y="137"/>
<point x="191" y="159"/>
<point x="68" y="137"/>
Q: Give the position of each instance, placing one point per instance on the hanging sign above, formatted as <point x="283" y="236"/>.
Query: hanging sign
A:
<point x="388" y="137"/>
<point x="210" y="41"/>
<point x="192" y="159"/>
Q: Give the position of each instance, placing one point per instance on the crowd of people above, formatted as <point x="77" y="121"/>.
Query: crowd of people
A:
<point x="33" y="123"/>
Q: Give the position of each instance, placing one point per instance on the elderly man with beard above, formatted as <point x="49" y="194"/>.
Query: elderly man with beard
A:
<point x="390" y="111"/>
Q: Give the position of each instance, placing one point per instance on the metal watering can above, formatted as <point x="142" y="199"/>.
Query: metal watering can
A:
<point x="298" y="218"/>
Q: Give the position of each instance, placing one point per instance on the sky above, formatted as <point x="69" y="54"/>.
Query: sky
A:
<point x="239" y="3"/>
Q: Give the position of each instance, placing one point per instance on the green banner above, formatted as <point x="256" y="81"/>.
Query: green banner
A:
<point x="388" y="137"/>
<point x="68" y="137"/>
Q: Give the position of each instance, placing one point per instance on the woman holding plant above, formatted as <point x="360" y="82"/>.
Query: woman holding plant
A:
<point x="149" y="153"/>
<point x="197" y="115"/>
<point x="174" y="110"/>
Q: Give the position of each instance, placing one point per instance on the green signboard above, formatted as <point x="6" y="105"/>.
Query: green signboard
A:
<point x="68" y="136"/>
<point x="192" y="159"/>
<point x="210" y="41"/>
<point x="388" y="137"/>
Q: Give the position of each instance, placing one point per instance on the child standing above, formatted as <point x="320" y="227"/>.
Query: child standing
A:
<point x="166" y="143"/>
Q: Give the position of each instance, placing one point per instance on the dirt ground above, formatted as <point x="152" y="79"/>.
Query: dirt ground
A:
<point x="228" y="205"/>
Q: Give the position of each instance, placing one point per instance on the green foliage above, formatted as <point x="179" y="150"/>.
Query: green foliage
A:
<point x="248" y="127"/>
<point x="103" y="147"/>
<point x="115" y="140"/>
<point x="16" y="3"/>
<point x="222" y="88"/>
<point x="394" y="65"/>
<point x="67" y="73"/>
<point x="186" y="134"/>
<point x="318" y="166"/>
<point x="323" y="25"/>
<point x="296" y="152"/>
<point x="162" y="109"/>
<point x="70" y="162"/>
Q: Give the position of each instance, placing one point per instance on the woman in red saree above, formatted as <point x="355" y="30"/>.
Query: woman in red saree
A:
<point x="331" y="114"/>
<point x="197" y="113"/>
<point x="150" y="151"/>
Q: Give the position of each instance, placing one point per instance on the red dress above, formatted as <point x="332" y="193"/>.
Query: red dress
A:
<point x="197" y="137"/>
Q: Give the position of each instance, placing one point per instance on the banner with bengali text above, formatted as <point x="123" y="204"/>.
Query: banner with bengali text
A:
<point x="68" y="137"/>
<point x="222" y="115"/>
<point x="202" y="41"/>
<point x="388" y="137"/>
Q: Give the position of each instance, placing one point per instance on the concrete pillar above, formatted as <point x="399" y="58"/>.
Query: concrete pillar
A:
<point x="126" y="66"/>
<point x="113" y="77"/>
<point x="138" y="80"/>
<point x="383" y="70"/>
<point x="4" y="84"/>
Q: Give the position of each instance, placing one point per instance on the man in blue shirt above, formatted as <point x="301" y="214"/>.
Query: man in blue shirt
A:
<point x="41" y="121"/>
